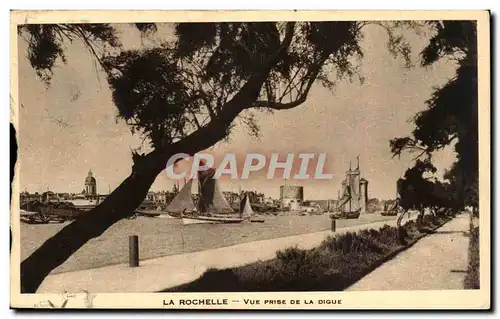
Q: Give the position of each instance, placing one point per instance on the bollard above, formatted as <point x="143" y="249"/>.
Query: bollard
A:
<point x="334" y="224"/>
<point x="133" y="251"/>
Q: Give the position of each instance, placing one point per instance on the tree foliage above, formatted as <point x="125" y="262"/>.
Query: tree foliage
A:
<point x="46" y="43"/>
<point x="170" y="91"/>
<point x="185" y="95"/>
<point x="451" y="113"/>
<point x="418" y="190"/>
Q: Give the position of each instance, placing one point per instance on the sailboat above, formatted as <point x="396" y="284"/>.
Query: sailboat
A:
<point x="246" y="211"/>
<point x="212" y="207"/>
<point x="393" y="210"/>
<point x="182" y="203"/>
<point x="349" y="203"/>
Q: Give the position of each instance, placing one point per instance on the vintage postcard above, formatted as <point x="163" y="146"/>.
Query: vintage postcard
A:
<point x="251" y="159"/>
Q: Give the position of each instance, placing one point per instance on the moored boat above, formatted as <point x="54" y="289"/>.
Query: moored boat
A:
<point x="349" y="205"/>
<point x="212" y="207"/>
<point x="210" y="220"/>
<point x="393" y="210"/>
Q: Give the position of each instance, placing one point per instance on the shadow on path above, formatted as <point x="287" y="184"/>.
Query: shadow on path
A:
<point x="446" y="232"/>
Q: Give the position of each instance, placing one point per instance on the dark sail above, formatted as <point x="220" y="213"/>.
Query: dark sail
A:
<point x="183" y="201"/>
<point x="346" y="197"/>
<point x="211" y="198"/>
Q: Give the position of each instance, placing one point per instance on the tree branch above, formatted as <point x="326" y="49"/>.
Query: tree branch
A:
<point x="278" y="105"/>
<point x="217" y="128"/>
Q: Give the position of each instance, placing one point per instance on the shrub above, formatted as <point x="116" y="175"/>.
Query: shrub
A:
<point x="338" y="262"/>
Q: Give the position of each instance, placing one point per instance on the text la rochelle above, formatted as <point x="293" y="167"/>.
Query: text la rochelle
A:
<point x="253" y="162"/>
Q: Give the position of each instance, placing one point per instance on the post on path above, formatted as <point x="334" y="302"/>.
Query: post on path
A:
<point x="133" y="250"/>
<point x="334" y="224"/>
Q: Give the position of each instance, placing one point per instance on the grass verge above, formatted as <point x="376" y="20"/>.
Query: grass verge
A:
<point x="471" y="280"/>
<point x="336" y="264"/>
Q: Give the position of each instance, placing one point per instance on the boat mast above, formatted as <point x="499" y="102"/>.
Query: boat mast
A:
<point x="200" y="193"/>
<point x="350" y="186"/>
<point x="241" y="198"/>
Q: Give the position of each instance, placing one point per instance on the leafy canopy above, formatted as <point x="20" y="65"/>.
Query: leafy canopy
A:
<point x="168" y="92"/>
<point x="451" y="114"/>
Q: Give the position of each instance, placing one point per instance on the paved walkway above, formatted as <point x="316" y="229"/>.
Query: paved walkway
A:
<point x="438" y="261"/>
<point x="161" y="273"/>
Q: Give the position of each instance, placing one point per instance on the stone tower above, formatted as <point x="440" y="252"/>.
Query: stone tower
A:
<point x="363" y="195"/>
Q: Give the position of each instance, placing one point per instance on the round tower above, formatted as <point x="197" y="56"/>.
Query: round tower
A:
<point x="291" y="196"/>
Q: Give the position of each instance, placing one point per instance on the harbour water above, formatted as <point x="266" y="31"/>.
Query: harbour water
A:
<point x="162" y="237"/>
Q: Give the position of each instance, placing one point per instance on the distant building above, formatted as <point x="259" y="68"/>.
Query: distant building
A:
<point x="158" y="198"/>
<point x="232" y="198"/>
<point x="150" y="196"/>
<point x="49" y="196"/>
<point x="256" y="198"/>
<point x="324" y="204"/>
<point x="162" y="197"/>
<point x="90" y="185"/>
<point x="363" y="195"/>
<point x="25" y="197"/>
<point x="291" y="197"/>
<point x="270" y="201"/>
<point x="64" y="196"/>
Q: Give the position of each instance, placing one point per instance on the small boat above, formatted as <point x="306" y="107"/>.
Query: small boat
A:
<point x="257" y="220"/>
<point x="246" y="211"/>
<point x="210" y="220"/>
<point x="61" y="212"/>
<point x="148" y="212"/>
<point x="30" y="217"/>
<point x="393" y="210"/>
<point x="48" y="212"/>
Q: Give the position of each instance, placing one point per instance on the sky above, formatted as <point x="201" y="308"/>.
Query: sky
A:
<point x="353" y="119"/>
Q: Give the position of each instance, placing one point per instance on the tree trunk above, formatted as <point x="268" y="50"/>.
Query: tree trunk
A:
<point x="420" y="217"/>
<point x="401" y="230"/>
<point x="56" y="250"/>
<point x="400" y="218"/>
<point x="130" y="194"/>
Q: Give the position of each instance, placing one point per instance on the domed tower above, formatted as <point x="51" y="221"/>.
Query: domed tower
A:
<point x="90" y="185"/>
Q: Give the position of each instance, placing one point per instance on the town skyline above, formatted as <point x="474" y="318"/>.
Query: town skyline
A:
<point x="71" y="127"/>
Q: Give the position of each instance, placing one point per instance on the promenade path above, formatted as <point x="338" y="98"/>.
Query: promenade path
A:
<point x="436" y="262"/>
<point x="160" y="273"/>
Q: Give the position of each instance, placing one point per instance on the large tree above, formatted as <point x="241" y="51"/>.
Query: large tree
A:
<point x="184" y="95"/>
<point x="452" y="111"/>
<point x="419" y="190"/>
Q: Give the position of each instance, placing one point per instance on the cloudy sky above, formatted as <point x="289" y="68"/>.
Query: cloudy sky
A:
<point x="353" y="119"/>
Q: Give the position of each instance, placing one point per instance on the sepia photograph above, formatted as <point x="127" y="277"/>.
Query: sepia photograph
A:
<point x="251" y="160"/>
